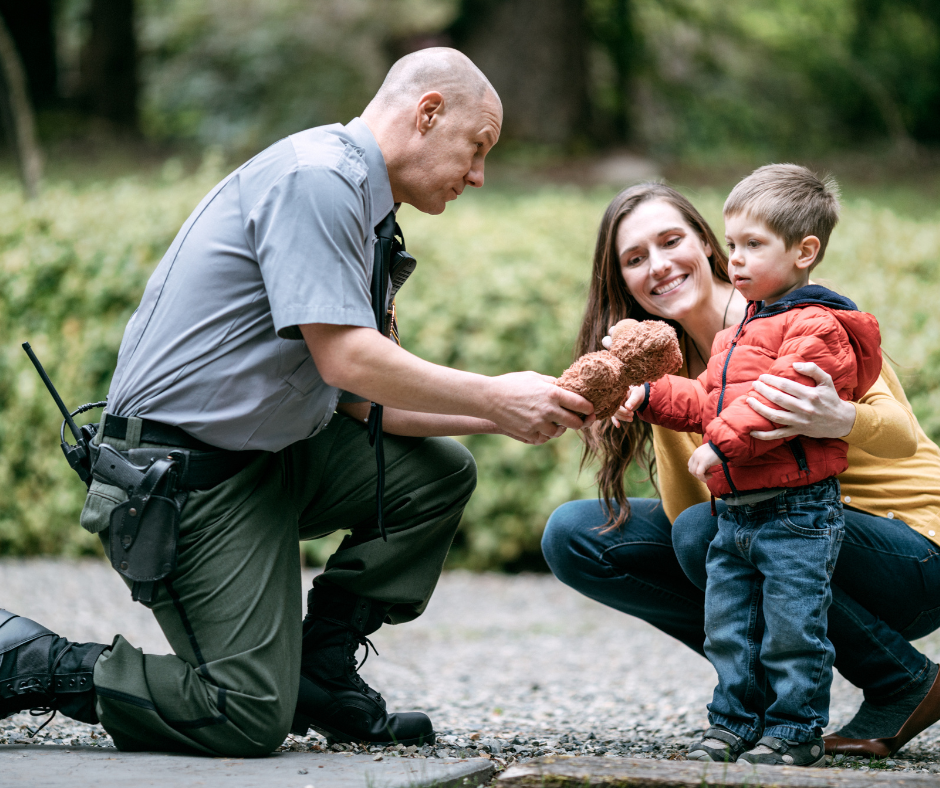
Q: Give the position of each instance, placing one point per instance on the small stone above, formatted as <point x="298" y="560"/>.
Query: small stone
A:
<point x="474" y="736"/>
<point x="377" y="757"/>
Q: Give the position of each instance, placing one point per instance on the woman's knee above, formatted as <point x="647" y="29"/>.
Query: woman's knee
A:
<point x="567" y="538"/>
<point x="692" y="532"/>
<point x="556" y="537"/>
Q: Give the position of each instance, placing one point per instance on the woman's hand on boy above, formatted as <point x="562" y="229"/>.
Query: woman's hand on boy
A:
<point x="633" y="401"/>
<point x="813" y="411"/>
<point x="702" y="459"/>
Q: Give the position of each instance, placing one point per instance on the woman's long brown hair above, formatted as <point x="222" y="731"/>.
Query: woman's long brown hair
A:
<point x="609" y="301"/>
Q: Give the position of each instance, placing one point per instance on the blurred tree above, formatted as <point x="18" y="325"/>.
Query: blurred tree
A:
<point x="533" y="51"/>
<point x="17" y="113"/>
<point x="613" y="26"/>
<point x="894" y="52"/>
<point x="108" y="64"/>
<point x="30" y="25"/>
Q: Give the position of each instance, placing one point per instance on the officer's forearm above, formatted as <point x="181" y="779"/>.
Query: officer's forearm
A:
<point x="422" y="425"/>
<point x="526" y="405"/>
<point x="365" y="363"/>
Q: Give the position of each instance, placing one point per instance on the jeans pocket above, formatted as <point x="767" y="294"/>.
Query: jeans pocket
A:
<point x="813" y="519"/>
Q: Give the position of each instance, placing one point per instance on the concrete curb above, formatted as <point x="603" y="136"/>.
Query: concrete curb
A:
<point x="52" y="766"/>
<point x="560" y="772"/>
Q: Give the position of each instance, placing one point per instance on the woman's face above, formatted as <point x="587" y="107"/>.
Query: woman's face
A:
<point x="663" y="260"/>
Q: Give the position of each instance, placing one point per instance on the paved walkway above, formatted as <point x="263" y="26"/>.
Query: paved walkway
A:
<point x="510" y="668"/>
<point x="89" y="767"/>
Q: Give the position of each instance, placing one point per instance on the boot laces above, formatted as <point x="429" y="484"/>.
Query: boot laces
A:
<point x="361" y="640"/>
<point x="38" y="711"/>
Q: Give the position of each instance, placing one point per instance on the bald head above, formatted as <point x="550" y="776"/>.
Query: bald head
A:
<point x="435" y="118"/>
<point x="447" y="71"/>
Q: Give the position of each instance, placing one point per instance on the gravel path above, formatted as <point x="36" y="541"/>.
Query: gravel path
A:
<point x="508" y="667"/>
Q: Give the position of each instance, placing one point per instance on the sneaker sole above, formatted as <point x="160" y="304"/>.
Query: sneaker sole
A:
<point x="702" y="755"/>
<point x="820" y="762"/>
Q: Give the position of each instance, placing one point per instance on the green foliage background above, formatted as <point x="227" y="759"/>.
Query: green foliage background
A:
<point x="500" y="286"/>
<point x="707" y="79"/>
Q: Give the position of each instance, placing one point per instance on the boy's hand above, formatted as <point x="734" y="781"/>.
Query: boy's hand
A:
<point x="702" y="459"/>
<point x="634" y="400"/>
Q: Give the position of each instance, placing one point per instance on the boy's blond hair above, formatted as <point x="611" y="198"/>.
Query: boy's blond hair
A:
<point x="792" y="201"/>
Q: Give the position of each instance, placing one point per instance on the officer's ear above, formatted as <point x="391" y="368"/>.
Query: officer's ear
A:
<point x="430" y="107"/>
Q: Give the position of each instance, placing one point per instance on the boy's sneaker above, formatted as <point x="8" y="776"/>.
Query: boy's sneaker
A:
<point x="718" y="745"/>
<point x="781" y="752"/>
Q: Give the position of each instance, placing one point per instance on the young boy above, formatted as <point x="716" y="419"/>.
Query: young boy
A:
<point x="770" y="563"/>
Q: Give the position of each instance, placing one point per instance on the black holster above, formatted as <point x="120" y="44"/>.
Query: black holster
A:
<point x="144" y="529"/>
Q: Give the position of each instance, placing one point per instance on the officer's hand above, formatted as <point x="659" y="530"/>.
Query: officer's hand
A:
<point x="531" y="407"/>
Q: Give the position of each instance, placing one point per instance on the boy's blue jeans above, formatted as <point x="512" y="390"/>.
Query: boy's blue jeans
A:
<point x="766" y="601"/>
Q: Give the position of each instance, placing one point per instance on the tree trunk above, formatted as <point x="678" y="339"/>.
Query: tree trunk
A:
<point x="533" y="51"/>
<point x="108" y="67"/>
<point x="31" y="26"/>
<point x="18" y="114"/>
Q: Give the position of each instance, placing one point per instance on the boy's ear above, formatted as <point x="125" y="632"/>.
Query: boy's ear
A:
<point x="809" y="250"/>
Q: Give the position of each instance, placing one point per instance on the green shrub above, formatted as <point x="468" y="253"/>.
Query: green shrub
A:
<point x="500" y="286"/>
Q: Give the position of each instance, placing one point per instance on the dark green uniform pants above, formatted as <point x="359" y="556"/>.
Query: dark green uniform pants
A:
<point x="232" y="608"/>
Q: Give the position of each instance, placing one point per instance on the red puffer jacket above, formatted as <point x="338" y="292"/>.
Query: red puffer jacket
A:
<point x="810" y="324"/>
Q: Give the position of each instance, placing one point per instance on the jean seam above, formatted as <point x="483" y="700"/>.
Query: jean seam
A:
<point x="915" y="680"/>
<point x="870" y="549"/>
<point x="665" y="592"/>
<point x="603" y="554"/>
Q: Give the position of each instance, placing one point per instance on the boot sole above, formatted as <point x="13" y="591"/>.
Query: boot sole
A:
<point x="300" y="727"/>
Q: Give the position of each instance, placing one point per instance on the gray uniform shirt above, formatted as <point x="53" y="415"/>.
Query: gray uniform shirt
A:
<point x="284" y="240"/>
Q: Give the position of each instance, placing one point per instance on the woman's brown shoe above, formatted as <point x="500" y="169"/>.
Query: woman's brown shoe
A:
<point x="925" y="715"/>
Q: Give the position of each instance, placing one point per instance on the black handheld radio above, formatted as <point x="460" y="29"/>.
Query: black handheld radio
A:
<point x="79" y="455"/>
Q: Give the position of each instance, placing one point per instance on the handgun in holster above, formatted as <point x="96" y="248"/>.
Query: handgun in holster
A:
<point x="144" y="530"/>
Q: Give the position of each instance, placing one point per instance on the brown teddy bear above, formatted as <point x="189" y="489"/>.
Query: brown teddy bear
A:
<point x="639" y="353"/>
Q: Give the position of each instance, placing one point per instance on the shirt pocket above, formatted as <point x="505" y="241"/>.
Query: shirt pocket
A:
<point x="296" y="367"/>
<point x="306" y="377"/>
<point x="100" y="502"/>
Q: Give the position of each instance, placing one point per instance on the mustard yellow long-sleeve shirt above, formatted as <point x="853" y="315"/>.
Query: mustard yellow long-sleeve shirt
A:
<point x="894" y="468"/>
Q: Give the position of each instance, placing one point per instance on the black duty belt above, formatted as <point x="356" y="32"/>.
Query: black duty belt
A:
<point x="155" y="432"/>
<point x="203" y="470"/>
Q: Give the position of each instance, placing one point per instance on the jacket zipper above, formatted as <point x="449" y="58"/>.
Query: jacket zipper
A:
<point x="801" y="457"/>
<point x="721" y="397"/>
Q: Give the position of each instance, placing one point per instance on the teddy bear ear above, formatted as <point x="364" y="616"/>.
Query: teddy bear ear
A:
<point x="624" y="325"/>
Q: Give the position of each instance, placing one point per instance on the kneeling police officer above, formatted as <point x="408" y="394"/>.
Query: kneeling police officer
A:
<point x="219" y="448"/>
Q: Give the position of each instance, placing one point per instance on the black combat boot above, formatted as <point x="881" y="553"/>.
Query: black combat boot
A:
<point x="41" y="672"/>
<point x="334" y="700"/>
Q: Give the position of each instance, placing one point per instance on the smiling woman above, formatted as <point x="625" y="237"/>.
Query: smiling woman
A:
<point x="657" y="258"/>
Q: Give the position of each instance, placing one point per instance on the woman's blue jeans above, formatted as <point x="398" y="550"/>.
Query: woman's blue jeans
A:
<point x="885" y="589"/>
